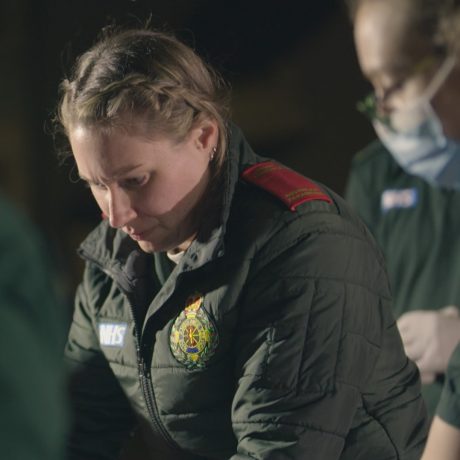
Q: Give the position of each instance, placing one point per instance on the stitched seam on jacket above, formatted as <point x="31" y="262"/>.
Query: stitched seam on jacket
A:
<point x="269" y="341"/>
<point x="383" y="427"/>
<point x="279" y="386"/>
<point x="300" y="425"/>
<point x="305" y="338"/>
<point x="405" y="403"/>
<point x="77" y="361"/>
<point x="325" y="230"/>
<point x="339" y="349"/>
<point x="338" y="280"/>
<point x="365" y="338"/>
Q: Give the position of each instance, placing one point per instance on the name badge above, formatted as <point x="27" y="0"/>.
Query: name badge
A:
<point x="399" y="198"/>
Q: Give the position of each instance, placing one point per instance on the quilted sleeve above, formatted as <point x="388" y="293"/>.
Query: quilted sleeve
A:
<point x="310" y="334"/>
<point x="102" y="417"/>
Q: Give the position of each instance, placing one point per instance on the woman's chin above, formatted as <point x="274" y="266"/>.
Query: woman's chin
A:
<point x="149" y="247"/>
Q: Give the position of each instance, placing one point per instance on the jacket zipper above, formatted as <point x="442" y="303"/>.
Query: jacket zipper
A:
<point x="144" y="374"/>
<point x="147" y="388"/>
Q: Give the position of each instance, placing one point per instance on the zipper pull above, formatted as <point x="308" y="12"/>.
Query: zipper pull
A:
<point x="140" y="363"/>
<point x="146" y="370"/>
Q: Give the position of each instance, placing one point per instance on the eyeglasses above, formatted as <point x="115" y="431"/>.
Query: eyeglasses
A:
<point x="372" y="105"/>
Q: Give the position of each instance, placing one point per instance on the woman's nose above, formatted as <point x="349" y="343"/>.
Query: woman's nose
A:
<point x="121" y="211"/>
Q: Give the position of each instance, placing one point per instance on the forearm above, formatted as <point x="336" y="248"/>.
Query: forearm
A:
<point x="443" y="441"/>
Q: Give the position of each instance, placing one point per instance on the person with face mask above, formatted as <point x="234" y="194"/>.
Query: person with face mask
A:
<point x="406" y="185"/>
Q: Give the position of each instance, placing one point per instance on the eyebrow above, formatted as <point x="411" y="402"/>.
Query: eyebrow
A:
<point x="115" y="175"/>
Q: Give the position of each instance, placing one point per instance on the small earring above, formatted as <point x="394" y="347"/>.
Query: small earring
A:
<point x="213" y="152"/>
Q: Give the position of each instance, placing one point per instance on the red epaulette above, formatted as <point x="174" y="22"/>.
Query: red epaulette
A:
<point x="290" y="187"/>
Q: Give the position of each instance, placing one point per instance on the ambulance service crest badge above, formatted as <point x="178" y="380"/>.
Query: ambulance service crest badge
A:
<point x="194" y="336"/>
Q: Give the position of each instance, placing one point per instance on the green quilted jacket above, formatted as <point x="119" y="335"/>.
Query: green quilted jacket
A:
<point x="271" y="339"/>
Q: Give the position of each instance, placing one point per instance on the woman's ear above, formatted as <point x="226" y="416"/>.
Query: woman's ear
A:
<point x="206" y="134"/>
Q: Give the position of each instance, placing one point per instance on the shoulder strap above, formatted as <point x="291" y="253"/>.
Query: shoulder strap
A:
<point x="289" y="186"/>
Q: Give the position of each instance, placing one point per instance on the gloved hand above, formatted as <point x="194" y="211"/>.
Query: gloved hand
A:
<point x="429" y="338"/>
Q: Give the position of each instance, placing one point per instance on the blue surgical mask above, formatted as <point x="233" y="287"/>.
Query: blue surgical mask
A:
<point x="415" y="138"/>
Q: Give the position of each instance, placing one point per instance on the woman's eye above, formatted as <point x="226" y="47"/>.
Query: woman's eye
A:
<point x="95" y="185"/>
<point x="134" y="182"/>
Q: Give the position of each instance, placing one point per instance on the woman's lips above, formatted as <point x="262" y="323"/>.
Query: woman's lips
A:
<point x="138" y="236"/>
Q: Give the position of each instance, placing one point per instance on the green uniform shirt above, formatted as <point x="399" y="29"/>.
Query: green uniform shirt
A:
<point x="417" y="226"/>
<point x="32" y="337"/>
<point x="449" y="404"/>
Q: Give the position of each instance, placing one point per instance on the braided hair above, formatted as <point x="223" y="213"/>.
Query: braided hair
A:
<point x="141" y="74"/>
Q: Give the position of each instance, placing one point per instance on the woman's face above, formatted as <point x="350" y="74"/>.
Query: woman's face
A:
<point x="399" y="63"/>
<point x="148" y="188"/>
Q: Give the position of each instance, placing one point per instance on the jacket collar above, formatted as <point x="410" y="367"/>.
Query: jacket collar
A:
<point x="121" y="258"/>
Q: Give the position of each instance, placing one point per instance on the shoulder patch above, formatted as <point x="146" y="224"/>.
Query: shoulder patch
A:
<point x="290" y="187"/>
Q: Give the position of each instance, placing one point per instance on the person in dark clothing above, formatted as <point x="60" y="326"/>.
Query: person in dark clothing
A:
<point x="230" y="307"/>
<point x="406" y="186"/>
<point x="33" y="414"/>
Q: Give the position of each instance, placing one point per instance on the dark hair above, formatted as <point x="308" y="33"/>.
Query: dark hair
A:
<point x="148" y="75"/>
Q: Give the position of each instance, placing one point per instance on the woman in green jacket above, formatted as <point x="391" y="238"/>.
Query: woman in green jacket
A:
<point x="230" y="308"/>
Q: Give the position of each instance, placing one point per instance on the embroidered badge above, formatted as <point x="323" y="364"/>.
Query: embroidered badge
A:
<point x="112" y="334"/>
<point x="194" y="338"/>
<point x="399" y="198"/>
<point x="290" y="187"/>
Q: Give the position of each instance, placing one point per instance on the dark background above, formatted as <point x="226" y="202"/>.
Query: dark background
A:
<point x="291" y="65"/>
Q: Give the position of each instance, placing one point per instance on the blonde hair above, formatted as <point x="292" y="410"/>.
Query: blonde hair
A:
<point x="147" y="75"/>
<point x="437" y="21"/>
